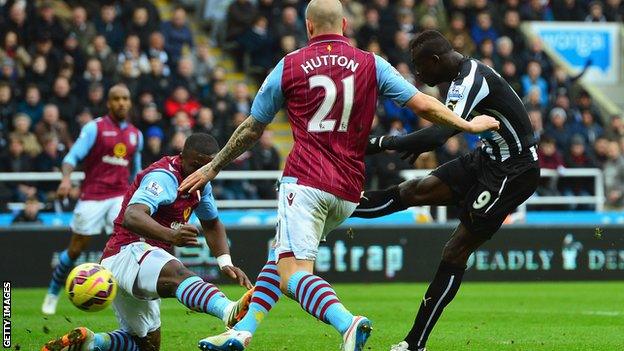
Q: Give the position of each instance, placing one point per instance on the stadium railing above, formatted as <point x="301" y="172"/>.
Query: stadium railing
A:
<point x="597" y="200"/>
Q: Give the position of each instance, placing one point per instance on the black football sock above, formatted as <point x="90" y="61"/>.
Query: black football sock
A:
<point x="440" y="293"/>
<point x="379" y="203"/>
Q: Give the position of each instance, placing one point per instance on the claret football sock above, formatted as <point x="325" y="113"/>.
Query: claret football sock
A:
<point x="379" y="203"/>
<point x="440" y="293"/>
<point x="60" y="273"/>
<point x="266" y="294"/>
<point x="319" y="299"/>
<point x="198" y="295"/>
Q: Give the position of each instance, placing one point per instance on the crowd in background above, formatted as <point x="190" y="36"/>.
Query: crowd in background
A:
<point x="57" y="60"/>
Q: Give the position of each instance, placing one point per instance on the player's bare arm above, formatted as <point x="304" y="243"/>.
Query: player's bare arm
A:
<point x="431" y="109"/>
<point x="243" y="138"/>
<point x="216" y="237"/>
<point x="65" y="185"/>
<point x="137" y="218"/>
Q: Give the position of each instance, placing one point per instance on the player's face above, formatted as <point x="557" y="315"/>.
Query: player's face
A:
<point x="192" y="161"/>
<point x="427" y="70"/>
<point x="119" y="103"/>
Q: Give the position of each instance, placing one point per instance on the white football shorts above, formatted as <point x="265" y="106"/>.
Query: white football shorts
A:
<point x="93" y="216"/>
<point x="305" y="216"/>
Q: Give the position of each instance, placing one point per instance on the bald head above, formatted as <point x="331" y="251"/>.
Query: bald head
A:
<point x="119" y="103"/>
<point x="325" y="17"/>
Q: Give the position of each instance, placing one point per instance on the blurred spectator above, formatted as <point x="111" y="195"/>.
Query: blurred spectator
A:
<point x="180" y="100"/>
<point x="204" y="123"/>
<point x="49" y="160"/>
<point x="615" y="129"/>
<point x="129" y="76"/>
<point x="100" y="50"/>
<point x="459" y="36"/>
<point x="15" y="159"/>
<point x="176" y="144"/>
<point x="177" y="34"/>
<point x="401" y="49"/>
<point x="240" y="16"/>
<point x="601" y="151"/>
<point x="30" y="213"/>
<point x="18" y="21"/>
<point x="82" y="29"/>
<point x="92" y="75"/>
<point x="156" y="50"/>
<point x="549" y="158"/>
<point x="584" y="101"/>
<point x="153" y="151"/>
<point x="39" y="74"/>
<point x="12" y="48"/>
<point x="578" y="157"/>
<point x="509" y="71"/>
<point x="52" y="126"/>
<point x="221" y="102"/>
<point x="370" y="30"/>
<point x="354" y="12"/>
<point x="265" y="157"/>
<point x="142" y="27"/>
<point x="595" y="12"/>
<point x="110" y="26"/>
<point x="150" y="117"/>
<point x="242" y="99"/>
<point x="483" y="28"/>
<point x="186" y="77"/>
<point x="156" y="81"/>
<point x="66" y="102"/>
<point x="533" y="80"/>
<point x="7" y="107"/>
<point x="434" y="8"/>
<point x="536" y="53"/>
<point x="44" y="47"/>
<point x="291" y="25"/>
<point x="385" y="168"/>
<point x="181" y="123"/>
<point x="614" y="176"/>
<point x="511" y="29"/>
<point x="32" y="105"/>
<point x="132" y="53"/>
<point x="449" y="151"/>
<point x="537" y="123"/>
<point x="47" y="23"/>
<point x="258" y="44"/>
<point x="73" y="55"/>
<point x="589" y="128"/>
<point x="568" y="10"/>
<point x="558" y="129"/>
<point x="536" y="10"/>
<point x="21" y="131"/>
<point x="204" y="63"/>
<point x="614" y="10"/>
<point x="95" y="100"/>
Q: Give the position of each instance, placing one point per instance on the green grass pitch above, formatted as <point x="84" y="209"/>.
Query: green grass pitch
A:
<point x="484" y="316"/>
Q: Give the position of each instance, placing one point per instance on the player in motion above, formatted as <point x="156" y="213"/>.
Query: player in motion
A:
<point x="108" y="147"/>
<point x="330" y="91"/>
<point x="152" y="220"/>
<point x="487" y="184"/>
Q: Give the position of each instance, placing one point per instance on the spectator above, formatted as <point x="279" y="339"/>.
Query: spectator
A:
<point x="370" y="30"/>
<point x="536" y="53"/>
<point x="8" y="71"/>
<point x="180" y="100"/>
<point x="49" y="160"/>
<point x="186" y="77"/>
<point x="614" y="176"/>
<point x="486" y="51"/>
<point x="509" y="71"/>
<point x="176" y="144"/>
<point x="66" y="102"/>
<point x="271" y="10"/>
<point x="601" y="151"/>
<point x="459" y="36"/>
<point x="177" y="34"/>
<point x="181" y="123"/>
<point x="537" y="123"/>
<point x="221" y="103"/>
<point x="15" y="159"/>
<point x="240" y="16"/>
<point x="156" y="50"/>
<point x="52" y="126"/>
<point x="616" y="126"/>
<point x="354" y="12"/>
<point x="139" y="62"/>
<point x="84" y="116"/>
<point x="433" y="8"/>
<point x="536" y="10"/>
<point x="156" y="82"/>
<point x="45" y="48"/>
<point x="405" y="22"/>
<point x="110" y="26"/>
<point x="73" y="55"/>
<point x="82" y="29"/>
<point x="558" y="130"/>
<point x="100" y="50"/>
<point x="150" y="117"/>
<point x="93" y="74"/>
<point x="242" y="98"/>
<point x="578" y="157"/>
<point x="549" y="158"/>
<point x="614" y="10"/>
<point x="49" y="24"/>
<point x="584" y="101"/>
<point x="205" y="123"/>
<point x="589" y="128"/>
<point x="21" y="131"/>
<point x="533" y="80"/>
<point x="258" y="44"/>
<point x="568" y="10"/>
<point x="449" y="151"/>
<point x="12" y="49"/>
<point x="265" y="157"/>
<point x="39" y="74"/>
<point x="18" y="22"/>
<point x="290" y="25"/>
<point x="30" y="213"/>
<point x="595" y="12"/>
<point x="153" y="150"/>
<point x="7" y="107"/>
<point x="130" y="77"/>
<point x="401" y="50"/>
<point x="32" y="105"/>
<point x="142" y="27"/>
<point x="483" y="29"/>
<point x="95" y="100"/>
<point x="386" y="167"/>
<point x="204" y="63"/>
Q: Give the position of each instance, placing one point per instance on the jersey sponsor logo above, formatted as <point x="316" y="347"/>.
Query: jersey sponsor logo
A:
<point x="456" y="93"/>
<point x="120" y="150"/>
<point x="290" y="197"/>
<point x="154" y="188"/>
<point x="108" y="133"/>
<point x="482" y="200"/>
<point x="115" y="161"/>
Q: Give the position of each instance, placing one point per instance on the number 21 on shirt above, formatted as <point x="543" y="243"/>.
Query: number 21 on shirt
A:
<point x="318" y="123"/>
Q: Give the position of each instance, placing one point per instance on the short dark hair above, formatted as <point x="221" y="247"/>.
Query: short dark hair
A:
<point x="429" y="43"/>
<point x="201" y="143"/>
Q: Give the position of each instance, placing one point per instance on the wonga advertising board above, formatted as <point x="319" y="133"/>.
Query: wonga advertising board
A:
<point x="577" y="42"/>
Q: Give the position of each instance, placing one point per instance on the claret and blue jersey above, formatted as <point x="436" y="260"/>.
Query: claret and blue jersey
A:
<point x="330" y="90"/>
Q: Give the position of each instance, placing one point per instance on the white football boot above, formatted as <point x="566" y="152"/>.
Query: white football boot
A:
<point x="231" y="340"/>
<point x="355" y="337"/>
<point x="49" y="304"/>
<point x="403" y="346"/>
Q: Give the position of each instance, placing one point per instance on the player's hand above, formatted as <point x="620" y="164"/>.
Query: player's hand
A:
<point x="185" y="235"/>
<point x="237" y="274"/>
<point x="64" y="188"/>
<point x="198" y="179"/>
<point x="374" y="145"/>
<point x="483" y="123"/>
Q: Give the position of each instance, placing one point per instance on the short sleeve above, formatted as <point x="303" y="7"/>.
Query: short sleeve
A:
<point x="391" y="84"/>
<point x="207" y="208"/>
<point x="82" y="146"/>
<point x="270" y="98"/>
<point x="159" y="187"/>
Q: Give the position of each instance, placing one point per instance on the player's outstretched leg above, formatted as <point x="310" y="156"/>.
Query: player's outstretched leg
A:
<point x="443" y="288"/>
<point x="265" y="295"/>
<point x="67" y="260"/>
<point x="83" y="339"/>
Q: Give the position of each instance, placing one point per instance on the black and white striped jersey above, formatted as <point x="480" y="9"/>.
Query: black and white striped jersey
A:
<point x="477" y="90"/>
